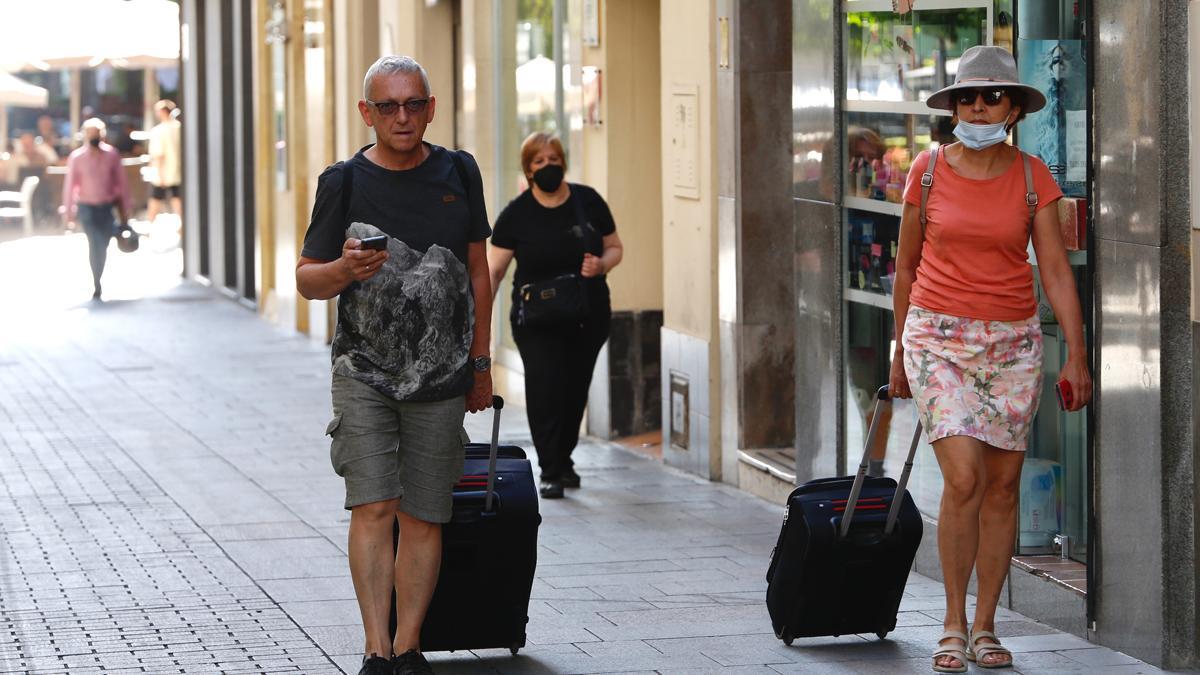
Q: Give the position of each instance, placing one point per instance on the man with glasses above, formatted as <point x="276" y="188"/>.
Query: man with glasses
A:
<point x="398" y="235"/>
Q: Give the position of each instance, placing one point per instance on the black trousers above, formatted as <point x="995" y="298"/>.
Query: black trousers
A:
<point x="558" y="371"/>
<point x="98" y="223"/>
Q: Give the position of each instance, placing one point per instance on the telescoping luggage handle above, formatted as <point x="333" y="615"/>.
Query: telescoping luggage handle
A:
<point x="497" y="406"/>
<point x="881" y="399"/>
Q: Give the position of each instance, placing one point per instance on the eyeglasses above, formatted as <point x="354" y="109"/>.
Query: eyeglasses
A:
<point x="991" y="97"/>
<point x="413" y="106"/>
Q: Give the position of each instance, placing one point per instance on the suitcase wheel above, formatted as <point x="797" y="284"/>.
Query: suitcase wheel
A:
<point x="787" y="639"/>
<point x="881" y="634"/>
<point x="514" y="649"/>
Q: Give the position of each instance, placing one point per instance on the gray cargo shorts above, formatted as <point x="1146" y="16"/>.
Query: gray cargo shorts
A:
<point x="388" y="449"/>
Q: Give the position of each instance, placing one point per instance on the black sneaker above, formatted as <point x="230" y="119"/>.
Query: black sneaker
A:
<point x="551" y="489"/>
<point x="570" y="479"/>
<point x="376" y="665"/>
<point x="411" y="663"/>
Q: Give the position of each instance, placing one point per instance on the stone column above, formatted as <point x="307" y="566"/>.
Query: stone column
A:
<point x="1145" y="544"/>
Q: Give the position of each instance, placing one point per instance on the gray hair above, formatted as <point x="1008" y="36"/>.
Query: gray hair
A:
<point x="389" y="65"/>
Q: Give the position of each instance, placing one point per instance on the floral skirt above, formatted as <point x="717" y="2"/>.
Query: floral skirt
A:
<point x="971" y="377"/>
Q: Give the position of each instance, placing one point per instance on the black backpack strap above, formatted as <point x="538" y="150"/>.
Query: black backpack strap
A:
<point x="347" y="189"/>
<point x="461" y="168"/>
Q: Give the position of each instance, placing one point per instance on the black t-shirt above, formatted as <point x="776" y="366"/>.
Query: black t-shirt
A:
<point x="421" y="206"/>
<point x="406" y="331"/>
<point x="548" y="242"/>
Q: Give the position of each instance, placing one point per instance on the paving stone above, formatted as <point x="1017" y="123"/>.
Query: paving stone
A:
<point x="167" y="505"/>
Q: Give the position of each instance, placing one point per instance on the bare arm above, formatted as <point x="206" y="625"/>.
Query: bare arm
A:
<point x="498" y="259"/>
<point x="1059" y="284"/>
<point x="324" y="279"/>
<point x="480" y="396"/>
<point x="908" y="256"/>
<point x="609" y="258"/>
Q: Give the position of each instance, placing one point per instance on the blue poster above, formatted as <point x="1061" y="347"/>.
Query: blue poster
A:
<point x="1057" y="134"/>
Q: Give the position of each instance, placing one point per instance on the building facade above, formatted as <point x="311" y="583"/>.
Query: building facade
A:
<point x="752" y="152"/>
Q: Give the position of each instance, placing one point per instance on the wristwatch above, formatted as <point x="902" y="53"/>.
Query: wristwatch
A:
<point x="481" y="364"/>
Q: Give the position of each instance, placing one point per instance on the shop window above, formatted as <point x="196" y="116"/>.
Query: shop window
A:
<point x="893" y="62"/>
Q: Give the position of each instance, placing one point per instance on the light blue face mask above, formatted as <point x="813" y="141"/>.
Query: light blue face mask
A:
<point x="980" y="136"/>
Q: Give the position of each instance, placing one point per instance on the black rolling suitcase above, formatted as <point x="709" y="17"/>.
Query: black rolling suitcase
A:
<point x="844" y="552"/>
<point x="489" y="553"/>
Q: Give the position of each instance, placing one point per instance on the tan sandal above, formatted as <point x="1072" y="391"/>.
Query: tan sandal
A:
<point x="954" y="650"/>
<point x="978" y="652"/>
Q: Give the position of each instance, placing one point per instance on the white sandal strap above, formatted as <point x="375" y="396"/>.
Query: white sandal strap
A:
<point x="953" y="634"/>
<point x="950" y="650"/>
<point x="976" y="635"/>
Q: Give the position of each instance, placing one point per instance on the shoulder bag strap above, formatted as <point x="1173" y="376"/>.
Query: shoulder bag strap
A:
<point x="926" y="184"/>
<point x="1031" y="196"/>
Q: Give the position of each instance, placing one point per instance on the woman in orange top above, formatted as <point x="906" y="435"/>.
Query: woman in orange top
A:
<point x="970" y="351"/>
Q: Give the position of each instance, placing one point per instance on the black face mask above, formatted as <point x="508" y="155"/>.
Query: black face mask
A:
<point x="549" y="177"/>
<point x="95" y="142"/>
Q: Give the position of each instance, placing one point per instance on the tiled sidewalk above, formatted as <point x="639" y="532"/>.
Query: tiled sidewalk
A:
<point x="167" y="505"/>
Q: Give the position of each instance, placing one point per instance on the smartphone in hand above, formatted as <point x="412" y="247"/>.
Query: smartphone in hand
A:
<point x="1066" y="397"/>
<point x="374" y="243"/>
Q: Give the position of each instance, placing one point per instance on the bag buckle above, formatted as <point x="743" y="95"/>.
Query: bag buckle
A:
<point x="548" y="294"/>
<point x="926" y="179"/>
<point x="1031" y="199"/>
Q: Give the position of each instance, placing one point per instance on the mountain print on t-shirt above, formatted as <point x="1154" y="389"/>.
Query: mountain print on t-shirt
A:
<point x="407" y="330"/>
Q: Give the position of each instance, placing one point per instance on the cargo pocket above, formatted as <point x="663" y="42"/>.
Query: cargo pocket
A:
<point x="333" y="425"/>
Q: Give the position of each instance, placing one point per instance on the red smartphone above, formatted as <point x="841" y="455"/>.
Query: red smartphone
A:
<point x="1066" y="397"/>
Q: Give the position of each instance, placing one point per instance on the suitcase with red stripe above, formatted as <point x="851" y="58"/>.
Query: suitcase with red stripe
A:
<point x="489" y="552"/>
<point x="844" y="551"/>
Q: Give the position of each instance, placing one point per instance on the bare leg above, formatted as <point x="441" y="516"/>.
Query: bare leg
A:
<point x="153" y="208"/>
<point x="417" y="565"/>
<point x="963" y="473"/>
<point x="371" y="563"/>
<point x="177" y="206"/>
<point x="998" y="519"/>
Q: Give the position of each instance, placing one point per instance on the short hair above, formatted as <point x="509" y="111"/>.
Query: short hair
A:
<point x="534" y="143"/>
<point x="94" y="123"/>
<point x="165" y="104"/>
<point x="390" y="65"/>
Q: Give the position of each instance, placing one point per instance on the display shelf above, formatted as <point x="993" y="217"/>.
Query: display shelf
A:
<point x="1075" y="258"/>
<point x="869" y="298"/>
<point x="923" y="5"/>
<point x="902" y="107"/>
<point x="874" y="206"/>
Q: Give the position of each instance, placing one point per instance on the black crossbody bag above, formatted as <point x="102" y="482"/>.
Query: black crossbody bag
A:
<point x="560" y="300"/>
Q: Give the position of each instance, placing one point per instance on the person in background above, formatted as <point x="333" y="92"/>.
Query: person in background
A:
<point x="48" y="136"/>
<point x="95" y="185"/>
<point x="540" y="229"/>
<point x="969" y="347"/>
<point x="32" y="158"/>
<point x="167" y="177"/>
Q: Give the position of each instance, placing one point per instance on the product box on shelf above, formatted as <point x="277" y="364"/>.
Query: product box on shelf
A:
<point x="1072" y="222"/>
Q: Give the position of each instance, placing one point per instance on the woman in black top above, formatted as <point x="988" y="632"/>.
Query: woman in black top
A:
<point x="541" y="229"/>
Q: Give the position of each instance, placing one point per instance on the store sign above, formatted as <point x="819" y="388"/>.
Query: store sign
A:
<point x="591" y="23"/>
<point x="685" y="142"/>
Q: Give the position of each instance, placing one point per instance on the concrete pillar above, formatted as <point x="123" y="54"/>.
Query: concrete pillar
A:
<point x="1145" y="547"/>
<point x="755" y="233"/>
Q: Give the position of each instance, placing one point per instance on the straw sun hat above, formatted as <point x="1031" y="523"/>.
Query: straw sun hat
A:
<point x="986" y="67"/>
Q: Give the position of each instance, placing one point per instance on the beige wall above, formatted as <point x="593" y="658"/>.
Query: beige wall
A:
<point x="622" y="157"/>
<point x="410" y="28"/>
<point x="689" y="225"/>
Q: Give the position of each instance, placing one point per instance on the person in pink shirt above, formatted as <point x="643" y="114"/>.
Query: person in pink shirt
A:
<point x="94" y="185"/>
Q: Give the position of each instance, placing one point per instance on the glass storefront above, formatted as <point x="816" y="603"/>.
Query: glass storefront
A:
<point x="893" y="62"/>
